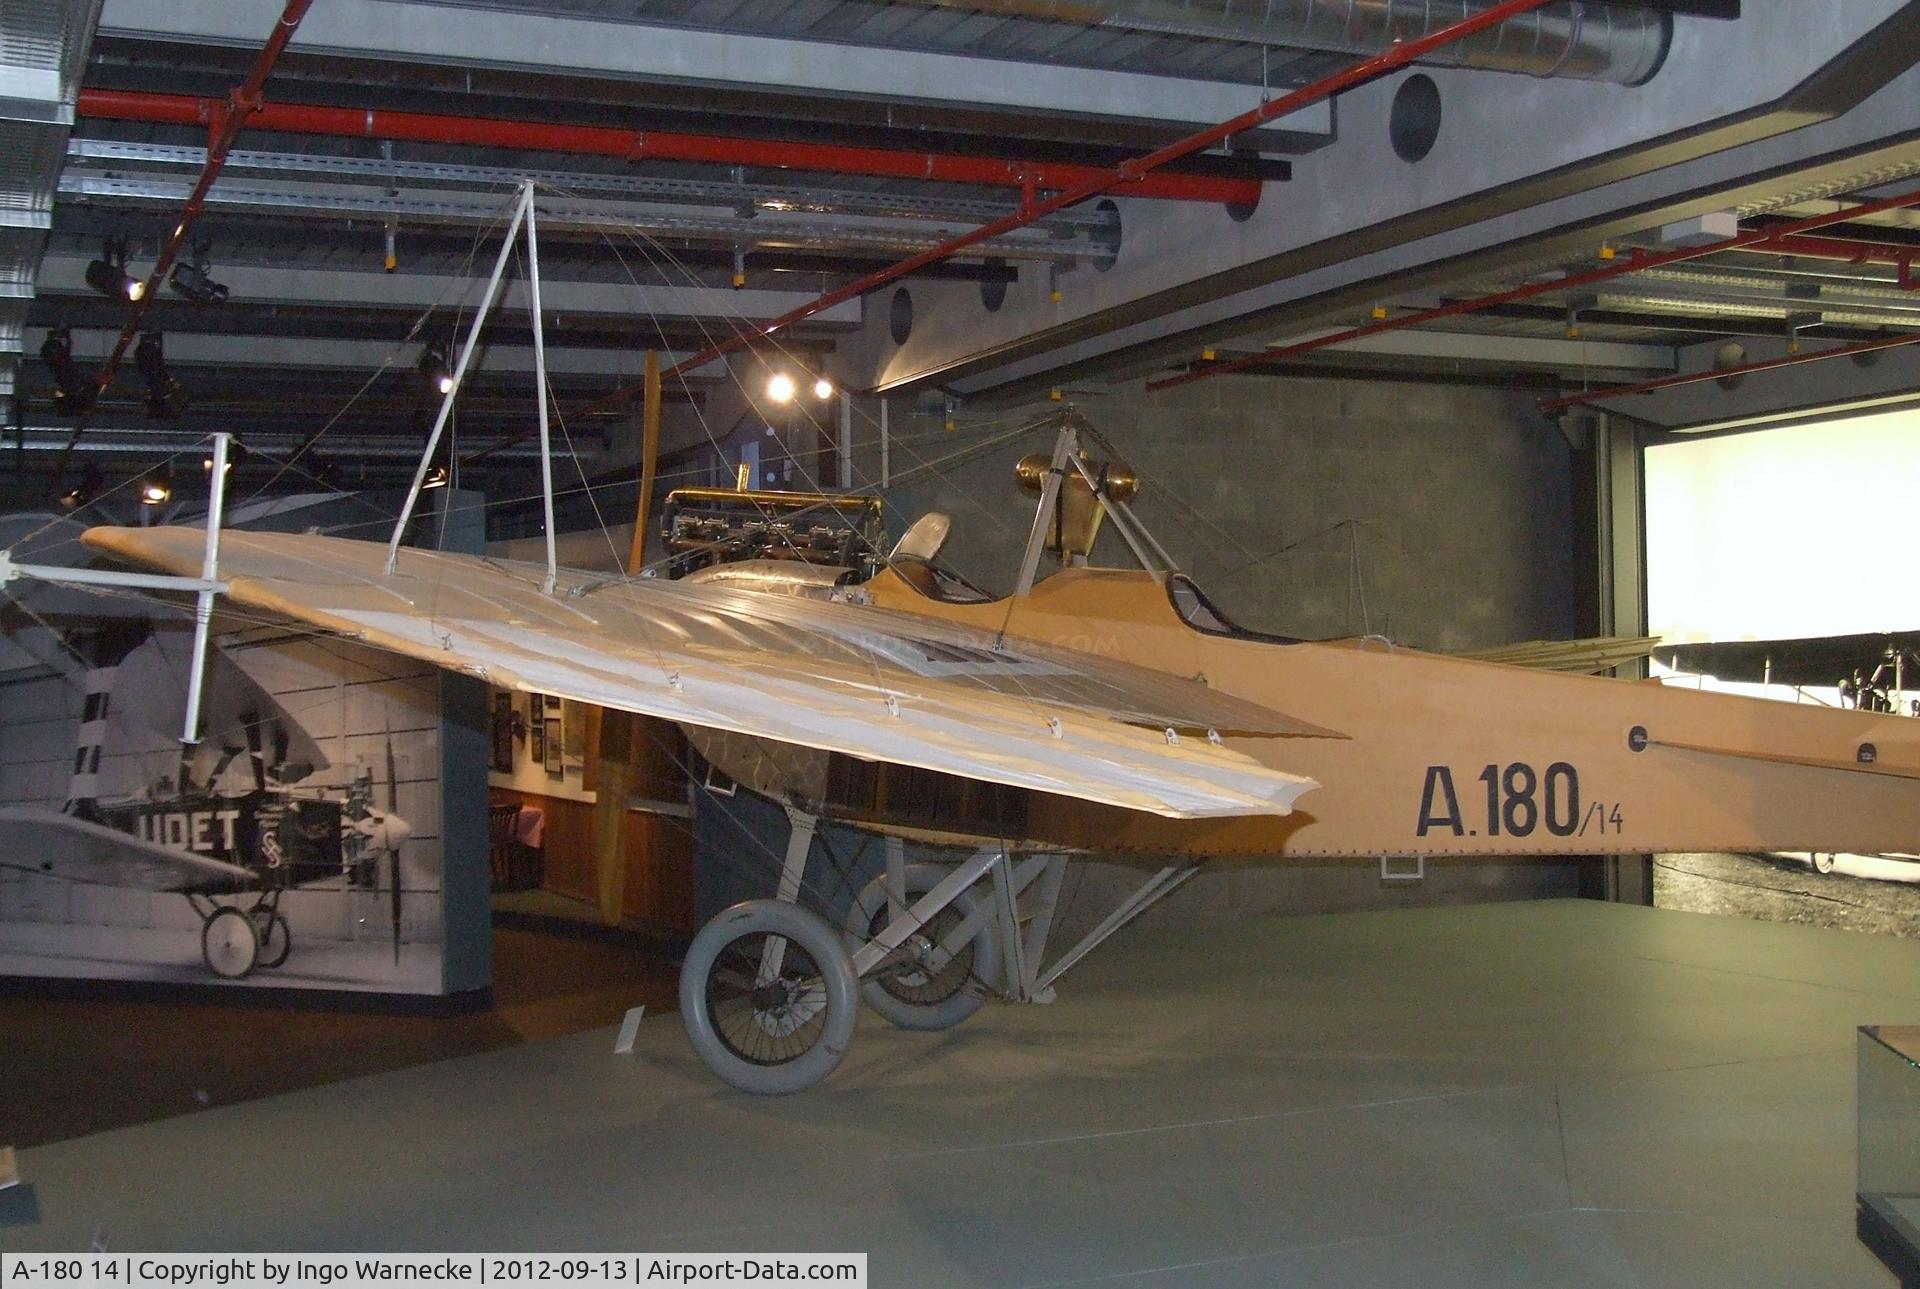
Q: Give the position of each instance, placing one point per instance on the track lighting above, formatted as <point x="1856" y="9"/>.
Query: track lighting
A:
<point x="156" y="486"/>
<point x="165" y="398"/>
<point x="433" y="369"/>
<point x="83" y="492"/>
<point x="108" y="275"/>
<point x="780" y="387"/>
<point x="192" y="279"/>
<point x="73" y="393"/>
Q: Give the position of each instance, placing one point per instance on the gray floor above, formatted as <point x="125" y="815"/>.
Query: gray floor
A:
<point x="1563" y="1094"/>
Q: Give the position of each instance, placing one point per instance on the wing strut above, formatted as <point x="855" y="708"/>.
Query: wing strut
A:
<point x="203" y="600"/>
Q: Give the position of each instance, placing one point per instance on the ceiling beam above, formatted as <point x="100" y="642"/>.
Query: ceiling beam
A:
<point x="296" y="353"/>
<point x="64" y="274"/>
<point x="391" y="31"/>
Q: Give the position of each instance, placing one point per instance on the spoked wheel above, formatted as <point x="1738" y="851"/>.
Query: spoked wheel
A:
<point x="767" y="996"/>
<point x="229" y="943"/>
<point x="929" y="982"/>
<point x="276" y="938"/>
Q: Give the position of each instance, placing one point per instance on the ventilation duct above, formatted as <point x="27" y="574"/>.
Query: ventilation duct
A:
<point x="1577" y="38"/>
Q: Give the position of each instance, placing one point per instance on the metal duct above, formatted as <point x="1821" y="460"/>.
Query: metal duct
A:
<point x="1581" y="39"/>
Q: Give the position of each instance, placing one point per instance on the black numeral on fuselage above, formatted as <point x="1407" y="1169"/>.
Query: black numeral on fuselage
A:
<point x="1518" y="800"/>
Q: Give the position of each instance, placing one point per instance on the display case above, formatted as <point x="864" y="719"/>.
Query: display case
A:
<point x="1887" y="1188"/>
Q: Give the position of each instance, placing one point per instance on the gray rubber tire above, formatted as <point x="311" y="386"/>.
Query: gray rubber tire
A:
<point x="950" y="1011"/>
<point x="798" y="927"/>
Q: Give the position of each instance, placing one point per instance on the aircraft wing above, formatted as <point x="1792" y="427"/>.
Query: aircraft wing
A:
<point x="872" y="683"/>
<point x="70" y="849"/>
<point x="1821" y="660"/>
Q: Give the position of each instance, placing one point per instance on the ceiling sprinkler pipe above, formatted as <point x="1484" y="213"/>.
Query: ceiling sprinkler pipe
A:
<point x="1578" y="39"/>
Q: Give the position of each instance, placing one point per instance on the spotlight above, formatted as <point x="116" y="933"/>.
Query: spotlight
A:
<point x="108" y="275"/>
<point x="433" y="369"/>
<point x="156" y="486"/>
<point x="780" y="387"/>
<point x="823" y="388"/>
<point x="165" y="399"/>
<point x="73" y="393"/>
<point x="83" y="492"/>
<point x="192" y="279"/>
<point x="436" y="478"/>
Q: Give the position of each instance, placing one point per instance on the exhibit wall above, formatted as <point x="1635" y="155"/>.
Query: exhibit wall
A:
<point x="316" y="789"/>
<point x="1786" y="535"/>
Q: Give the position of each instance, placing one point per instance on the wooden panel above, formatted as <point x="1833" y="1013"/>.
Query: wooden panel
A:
<point x="660" y="853"/>
<point x="660" y="849"/>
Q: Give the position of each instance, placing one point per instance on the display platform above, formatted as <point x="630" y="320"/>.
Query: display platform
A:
<point x="1564" y="1093"/>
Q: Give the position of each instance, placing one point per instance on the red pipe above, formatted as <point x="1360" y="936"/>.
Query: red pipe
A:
<point x="231" y="115"/>
<point x="1772" y="240"/>
<point x="1128" y="173"/>
<point x="1721" y="373"/>
<point x="654" y="145"/>
<point x="1847" y="250"/>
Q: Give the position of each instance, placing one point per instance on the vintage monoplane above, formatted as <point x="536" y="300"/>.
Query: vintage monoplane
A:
<point x="1095" y="710"/>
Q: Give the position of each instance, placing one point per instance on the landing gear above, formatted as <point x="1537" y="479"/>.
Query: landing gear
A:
<point x="942" y="973"/>
<point x="230" y="943"/>
<point x="276" y="938"/>
<point x="767" y="994"/>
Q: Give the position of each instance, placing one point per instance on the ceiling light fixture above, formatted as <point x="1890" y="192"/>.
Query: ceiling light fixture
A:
<point x="156" y="486"/>
<point x="823" y="388"/>
<point x="236" y="455"/>
<point x="165" y="398"/>
<point x="83" y="492"/>
<point x="108" y="275"/>
<point x="780" y="387"/>
<point x="73" y="392"/>
<point x="433" y="369"/>
<point x="192" y="278"/>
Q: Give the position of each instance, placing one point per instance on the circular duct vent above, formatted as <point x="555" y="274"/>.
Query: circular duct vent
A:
<point x="993" y="290"/>
<point x="1414" y="123"/>
<point x="1731" y="354"/>
<point x="900" y="315"/>
<point x="1106" y="235"/>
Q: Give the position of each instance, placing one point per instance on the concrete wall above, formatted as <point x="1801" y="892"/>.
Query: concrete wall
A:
<point x="1437" y="514"/>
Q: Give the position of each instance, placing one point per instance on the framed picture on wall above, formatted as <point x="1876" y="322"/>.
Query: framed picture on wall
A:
<point x="503" y="732"/>
<point x="573" y="717"/>
<point x="537" y="735"/>
<point x="556" y="762"/>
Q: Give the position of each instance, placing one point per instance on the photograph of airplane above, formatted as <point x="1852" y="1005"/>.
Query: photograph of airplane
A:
<point x="230" y="824"/>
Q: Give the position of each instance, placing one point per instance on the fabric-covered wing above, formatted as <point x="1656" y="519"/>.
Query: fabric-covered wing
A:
<point x="867" y="682"/>
<point x="76" y="850"/>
